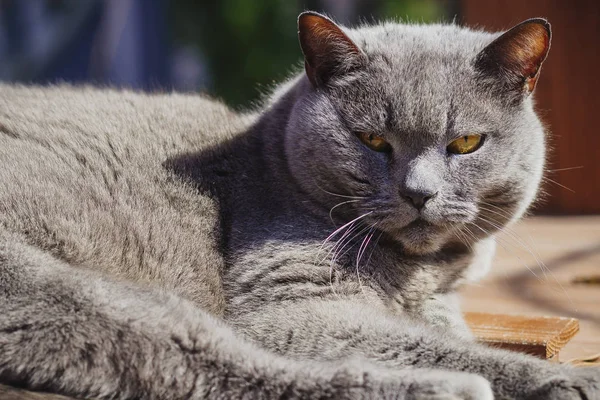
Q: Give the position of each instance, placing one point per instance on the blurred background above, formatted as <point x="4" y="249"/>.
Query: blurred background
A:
<point x="234" y="49"/>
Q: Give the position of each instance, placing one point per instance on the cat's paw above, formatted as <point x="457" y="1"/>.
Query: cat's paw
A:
<point x="575" y="384"/>
<point x="443" y="311"/>
<point x="447" y="385"/>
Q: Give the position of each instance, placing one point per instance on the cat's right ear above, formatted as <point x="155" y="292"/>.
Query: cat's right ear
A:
<point x="328" y="51"/>
<point x="515" y="58"/>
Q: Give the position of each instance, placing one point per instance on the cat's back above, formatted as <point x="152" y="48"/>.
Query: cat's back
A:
<point x="82" y="177"/>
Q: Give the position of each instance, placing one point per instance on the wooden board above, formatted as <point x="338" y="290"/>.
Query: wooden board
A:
<point x="543" y="337"/>
<point x="568" y="247"/>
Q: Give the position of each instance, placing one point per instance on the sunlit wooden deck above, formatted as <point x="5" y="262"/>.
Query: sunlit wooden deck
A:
<point x="569" y="249"/>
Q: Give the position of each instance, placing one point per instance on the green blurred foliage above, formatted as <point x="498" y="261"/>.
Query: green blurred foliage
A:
<point x="252" y="44"/>
<point x="415" y="10"/>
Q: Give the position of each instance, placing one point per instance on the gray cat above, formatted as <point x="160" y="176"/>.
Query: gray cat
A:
<point x="164" y="247"/>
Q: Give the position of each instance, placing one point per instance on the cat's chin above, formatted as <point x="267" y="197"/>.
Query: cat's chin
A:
<point x="420" y="247"/>
<point x="421" y="238"/>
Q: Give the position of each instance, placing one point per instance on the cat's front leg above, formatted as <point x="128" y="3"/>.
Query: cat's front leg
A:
<point x="334" y="329"/>
<point x="69" y="331"/>
<point x="443" y="311"/>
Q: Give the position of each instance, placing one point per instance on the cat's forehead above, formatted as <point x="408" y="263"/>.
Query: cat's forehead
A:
<point x="402" y="42"/>
<point x="421" y="55"/>
<point x="421" y="78"/>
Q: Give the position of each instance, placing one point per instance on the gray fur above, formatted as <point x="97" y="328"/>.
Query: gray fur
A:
<point x="163" y="247"/>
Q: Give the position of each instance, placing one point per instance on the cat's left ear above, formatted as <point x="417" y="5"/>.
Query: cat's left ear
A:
<point x="516" y="57"/>
<point x="328" y="51"/>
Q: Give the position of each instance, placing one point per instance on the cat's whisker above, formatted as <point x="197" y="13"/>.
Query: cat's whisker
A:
<point x="341" y="228"/>
<point x="345" y="243"/>
<point x="338" y="205"/>
<point x="346" y="224"/>
<point x="462" y="238"/>
<point x="374" y="247"/>
<point x="564" y="169"/>
<point x="497" y="210"/>
<point x="357" y="235"/>
<point x="514" y="236"/>
<point x="364" y="244"/>
<point x="339" y="246"/>
<point x="503" y="282"/>
<point x="469" y="234"/>
<point x="340" y="250"/>
<point x="361" y="251"/>
<point x="530" y="249"/>
<point x="501" y="242"/>
<point x="545" y="178"/>
<point x="340" y="195"/>
<point x="543" y="267"/>
<point x="534" y="249"/>
<point x="351" y="228"/>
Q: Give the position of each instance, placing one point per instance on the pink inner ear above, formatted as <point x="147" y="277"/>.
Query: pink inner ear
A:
<point x="319" y="37"/>
<point x="523" y="49"/>
<point x="529" y="47"/>
<point x="327" y="50"/>
<point x="519" y="52"/>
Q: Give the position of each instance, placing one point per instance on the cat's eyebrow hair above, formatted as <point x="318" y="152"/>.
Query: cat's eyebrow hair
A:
<point x="389" y="116"/>
<point x="451" y="117"/>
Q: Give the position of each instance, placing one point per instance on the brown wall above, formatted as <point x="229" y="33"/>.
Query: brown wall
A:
<point x="567" y="94"/>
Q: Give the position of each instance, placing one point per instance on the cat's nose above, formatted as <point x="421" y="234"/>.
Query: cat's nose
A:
<point x="418" y="198"/>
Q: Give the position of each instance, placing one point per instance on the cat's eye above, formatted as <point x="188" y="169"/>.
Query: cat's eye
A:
<point x="374" y="142"/>
<point x="466" y="144"/>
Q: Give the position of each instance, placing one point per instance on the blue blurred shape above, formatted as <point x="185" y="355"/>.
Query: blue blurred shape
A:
<point x="115" y="42"/>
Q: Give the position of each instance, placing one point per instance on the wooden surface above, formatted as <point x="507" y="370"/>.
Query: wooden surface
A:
<point x="542" y="337"/>
<point x="536" y="271"/>
<point x="567" y="91"/>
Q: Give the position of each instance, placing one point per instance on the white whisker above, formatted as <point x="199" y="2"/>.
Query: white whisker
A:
<point x="339" y="195"/>
<point x="340" y="204"/>
<point x="558" y="184"/>
<point x="543" y="267"/>
<point x="500" y="242"/>
<point x="361" y="251"/>
<point x="564" y="169"/>
<point x="345" y="225"/>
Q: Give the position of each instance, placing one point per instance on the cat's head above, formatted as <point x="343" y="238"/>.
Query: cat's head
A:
<point x="426" y="131"/>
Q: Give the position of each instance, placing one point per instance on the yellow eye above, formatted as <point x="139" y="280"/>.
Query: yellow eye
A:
<point x="465" y="145"/>
<point x="374" y="142"/>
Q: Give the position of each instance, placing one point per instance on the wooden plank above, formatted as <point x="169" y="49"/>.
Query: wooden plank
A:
<point x="543" y="337"/>
<point x="569" y="247"/>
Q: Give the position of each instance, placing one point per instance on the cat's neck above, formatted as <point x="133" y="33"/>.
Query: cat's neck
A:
<point x="271" y="163"/>
<point x="272" y="124"/>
